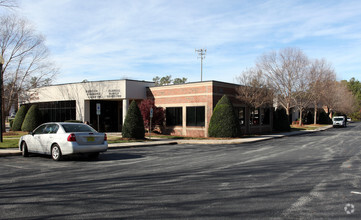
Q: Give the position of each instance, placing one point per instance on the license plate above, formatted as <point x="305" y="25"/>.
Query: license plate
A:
<point x="90" y="139"/>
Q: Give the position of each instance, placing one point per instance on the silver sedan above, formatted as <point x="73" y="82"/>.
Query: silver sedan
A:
<point x="63" y="138"/>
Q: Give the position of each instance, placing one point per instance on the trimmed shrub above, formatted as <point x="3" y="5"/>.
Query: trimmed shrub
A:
<point x="280" y="120"/>
<point x="32" y="119"/>
<point x="324" y="118"/>
<point x="19" y="118"/>
<point x="133" y="125"/>
<point x="224" y="122"/>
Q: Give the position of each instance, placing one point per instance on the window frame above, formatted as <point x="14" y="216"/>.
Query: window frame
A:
<point x="199" y="116"/>
<point x="178" y="112"/>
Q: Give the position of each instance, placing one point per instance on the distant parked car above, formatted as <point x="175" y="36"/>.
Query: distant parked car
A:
<point x="339" y="121"/>
<point x="63" y="138"/>
<point x="349" y="120"/>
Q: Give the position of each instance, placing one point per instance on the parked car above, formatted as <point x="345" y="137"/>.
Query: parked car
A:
<point x="63" y="138"/>
<point x="339" y="121"/>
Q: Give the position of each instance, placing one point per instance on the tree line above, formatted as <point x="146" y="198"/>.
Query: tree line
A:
<point x="289" y="79"/>
<point x="355" y="87"/>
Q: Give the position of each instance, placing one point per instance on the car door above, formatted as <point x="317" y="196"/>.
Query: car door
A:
<point x="48" y="136"/>
<point x="33" y="142"/>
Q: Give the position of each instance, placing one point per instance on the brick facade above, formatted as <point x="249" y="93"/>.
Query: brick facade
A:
<point x="199" y="94"/>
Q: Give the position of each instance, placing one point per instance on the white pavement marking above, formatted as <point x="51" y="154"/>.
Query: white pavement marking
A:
<point x="13" y="166"/>
<point x="303" y="200"/>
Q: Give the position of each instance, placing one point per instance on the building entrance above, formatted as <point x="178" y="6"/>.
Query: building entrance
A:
<point x="109" y="118"/>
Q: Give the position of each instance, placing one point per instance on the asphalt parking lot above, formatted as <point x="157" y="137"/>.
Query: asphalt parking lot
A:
<point x="309" y="176"/>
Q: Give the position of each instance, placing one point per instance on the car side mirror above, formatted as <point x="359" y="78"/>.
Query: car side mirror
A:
<point x="31" y="133"/>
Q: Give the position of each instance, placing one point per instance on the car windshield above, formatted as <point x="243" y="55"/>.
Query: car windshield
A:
<point x="338" y="119"/>
<point x="77" y="128"/>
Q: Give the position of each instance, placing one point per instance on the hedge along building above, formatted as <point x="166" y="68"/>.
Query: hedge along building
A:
<point x="189" y="108"/>
<point x="80" y="101"/>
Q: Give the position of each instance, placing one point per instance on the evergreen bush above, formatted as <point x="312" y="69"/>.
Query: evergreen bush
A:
<point x="224" y="122"/>
<point x="11" y="121"/>
<point x="133" y="125"/>
<point x="19" y="118"/>
<point x="324" y="118"/>
<point x="280" y="120"/>
<point x="32" y="119"/>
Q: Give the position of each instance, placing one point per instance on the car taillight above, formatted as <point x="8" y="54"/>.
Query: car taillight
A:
<point x="105" y="137"/>
<point x="71" y="137"/>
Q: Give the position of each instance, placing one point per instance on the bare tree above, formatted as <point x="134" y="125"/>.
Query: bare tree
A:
<point x="255" y="91"/>
<point x="346" y="101"/>
<point x="323" y="78"/>
<point x="27" y="63"/>
<point x="8" y="3"/>
<point x="339" y="98"/>
<point x="284" y="70"/>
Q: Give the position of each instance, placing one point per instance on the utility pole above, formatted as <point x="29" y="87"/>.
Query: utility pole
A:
<point x="202" y="55"/>
<point x="1" y="98"/>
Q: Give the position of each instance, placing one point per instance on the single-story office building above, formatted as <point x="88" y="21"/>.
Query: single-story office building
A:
<point x="188" y="107"/>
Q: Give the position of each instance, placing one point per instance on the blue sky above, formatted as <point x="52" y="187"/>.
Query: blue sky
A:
<point x="141" y="39"/>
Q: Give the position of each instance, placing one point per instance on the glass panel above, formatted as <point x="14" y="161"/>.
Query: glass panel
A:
<point x="174" y="116"/>
<point x="266" y="116"/>
<point x="40" y="130"/>
<point x="57" y="111"/>
<point x="191" y="116"/>
<point x="254" y="119"/>
<point x="240" y="112"/>
<point x="200" y="113"/>
<point x="195" y="116"/>
<point x="77" y="128"/>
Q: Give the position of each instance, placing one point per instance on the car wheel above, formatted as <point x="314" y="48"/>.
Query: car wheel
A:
<point x="25" y="151"/>
<point x="56" y="152"/>
<point x="93" y="155"/>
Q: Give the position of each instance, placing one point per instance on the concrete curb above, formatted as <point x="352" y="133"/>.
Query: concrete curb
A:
<point x="9" y="152"/>
<point x="16" y="152"/>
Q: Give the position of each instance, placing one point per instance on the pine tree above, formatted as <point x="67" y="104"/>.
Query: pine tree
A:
<point x="133" y="125"/>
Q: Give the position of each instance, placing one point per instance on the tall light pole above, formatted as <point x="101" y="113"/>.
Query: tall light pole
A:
<point x="202" y="55"/>
<point x="1" y="97"/>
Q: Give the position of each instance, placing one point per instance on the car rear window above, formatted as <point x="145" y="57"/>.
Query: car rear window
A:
<point x="338" y="119"/>
<point x="69" y="128"/>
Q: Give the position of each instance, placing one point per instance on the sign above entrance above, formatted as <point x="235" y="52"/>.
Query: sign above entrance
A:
<point x="110" y="93"/>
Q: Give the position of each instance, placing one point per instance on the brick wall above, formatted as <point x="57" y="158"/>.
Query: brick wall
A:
<point x="205" y="94"/>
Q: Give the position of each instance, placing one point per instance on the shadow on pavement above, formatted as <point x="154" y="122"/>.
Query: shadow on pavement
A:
<point x="84" y="157"/>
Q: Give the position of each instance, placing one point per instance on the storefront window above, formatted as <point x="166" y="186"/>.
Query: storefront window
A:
<point x="254" y="119"/>
<point x="265" y="116"/>
<point x="195" y="116"/>
<point x="57" y="111"/>
<point x="240" y="112"/>
<point x="174" y="116"/>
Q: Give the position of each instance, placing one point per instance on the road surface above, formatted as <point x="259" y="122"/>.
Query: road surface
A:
<point x="303" y="177"/>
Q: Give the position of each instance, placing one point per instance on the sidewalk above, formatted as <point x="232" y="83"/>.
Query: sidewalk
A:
<point x="16" y="152"/>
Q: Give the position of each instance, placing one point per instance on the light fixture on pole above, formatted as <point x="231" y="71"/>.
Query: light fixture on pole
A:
<point x="202" y="55"/>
